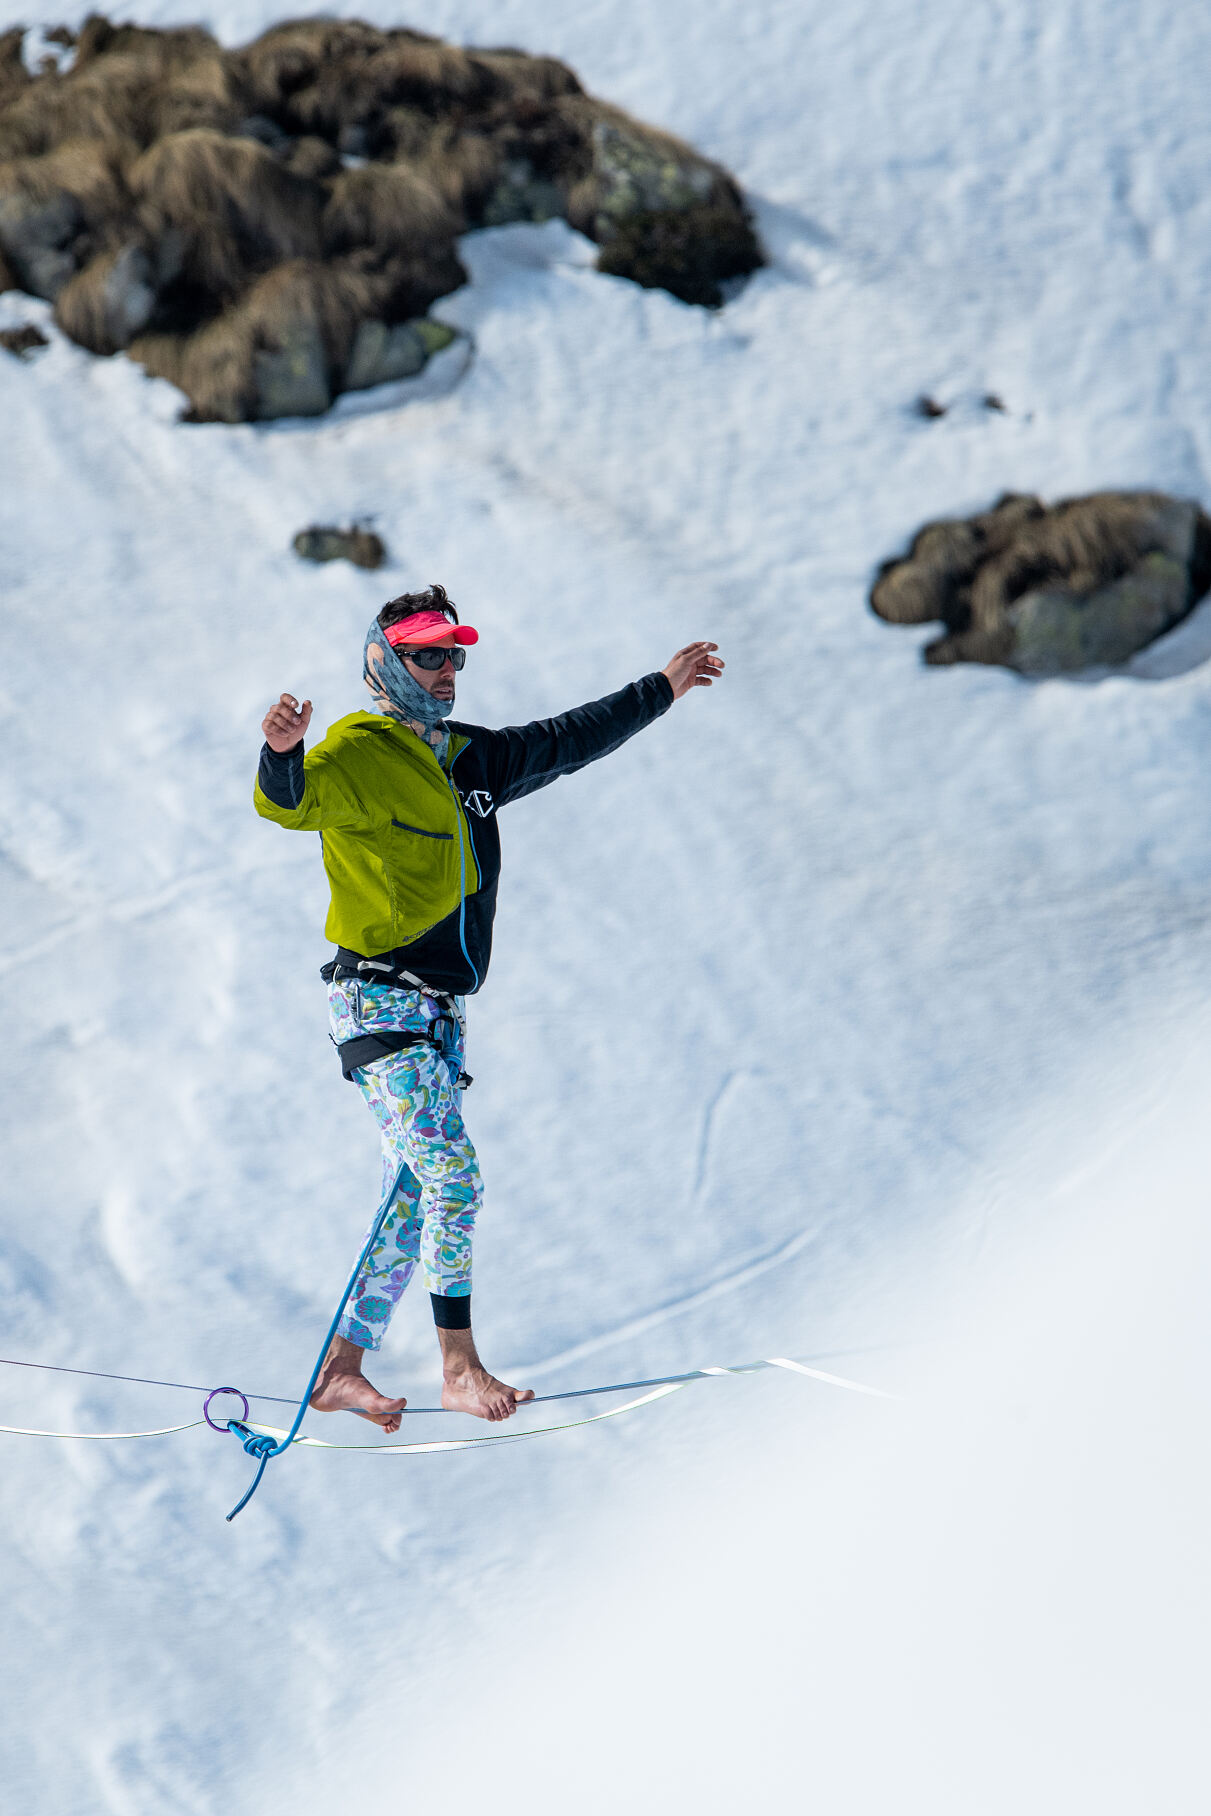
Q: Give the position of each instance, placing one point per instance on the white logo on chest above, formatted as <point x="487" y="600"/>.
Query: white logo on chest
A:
<point x="479" y="801"/>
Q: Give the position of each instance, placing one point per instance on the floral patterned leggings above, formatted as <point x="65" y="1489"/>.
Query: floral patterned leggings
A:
<point x="417" y="1104"/>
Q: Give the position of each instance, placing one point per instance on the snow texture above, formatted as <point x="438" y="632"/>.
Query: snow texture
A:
<point x="855" y="1010"/>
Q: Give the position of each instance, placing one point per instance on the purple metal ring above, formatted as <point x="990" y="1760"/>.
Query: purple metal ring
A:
<point x="222" y="1390"/>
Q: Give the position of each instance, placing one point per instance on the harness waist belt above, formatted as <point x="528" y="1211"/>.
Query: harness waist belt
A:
<point x="379" y="971"/>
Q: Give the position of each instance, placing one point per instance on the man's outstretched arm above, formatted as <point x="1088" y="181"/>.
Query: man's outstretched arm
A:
<point x="525" y="757"/>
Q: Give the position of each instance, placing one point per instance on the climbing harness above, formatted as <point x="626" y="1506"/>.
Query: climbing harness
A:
<point x="365" y="1049"/>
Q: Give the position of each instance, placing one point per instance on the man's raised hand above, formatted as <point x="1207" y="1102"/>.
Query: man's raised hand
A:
<point x="693" y="666"/>
<point x="285" y="723"/>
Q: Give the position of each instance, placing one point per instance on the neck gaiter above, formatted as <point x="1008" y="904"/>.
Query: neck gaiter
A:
<point x="396" y="693"/>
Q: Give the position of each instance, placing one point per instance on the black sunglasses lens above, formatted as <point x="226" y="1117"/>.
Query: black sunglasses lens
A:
<point x="434" y="658"/>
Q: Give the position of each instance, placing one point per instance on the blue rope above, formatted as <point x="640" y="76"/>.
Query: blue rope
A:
<point x="462" y="877"/>
<point x="257" y="1444"/>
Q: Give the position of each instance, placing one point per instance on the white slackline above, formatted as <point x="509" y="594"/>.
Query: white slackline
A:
<point x="22" y="1431"/>
<point x="660" y="1391"/>
<point x="538" y="1431"/>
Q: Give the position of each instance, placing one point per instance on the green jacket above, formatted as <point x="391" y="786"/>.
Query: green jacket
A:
<point x="412" y="850"/>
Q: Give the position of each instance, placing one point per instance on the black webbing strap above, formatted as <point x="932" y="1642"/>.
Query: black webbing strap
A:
<point x="364" y="1049"/>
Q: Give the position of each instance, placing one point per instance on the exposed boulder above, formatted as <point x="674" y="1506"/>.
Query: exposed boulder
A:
<point x="665" y="217"/>
<point x="519" y="195"/>
<point x="1085" y="583"/>
<point x="166" y="194"/>
<point x="692" y="253"/>
<point x="266" y="356"/>
<point x="380" y="354"/>
<point x="38" y="238"/>
<point x="323" y="542"/>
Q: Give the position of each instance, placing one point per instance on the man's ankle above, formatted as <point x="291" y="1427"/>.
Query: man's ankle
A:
<point x="344" y="1357"/>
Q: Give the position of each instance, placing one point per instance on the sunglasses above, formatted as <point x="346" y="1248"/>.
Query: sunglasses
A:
<point x="435" y="657"/>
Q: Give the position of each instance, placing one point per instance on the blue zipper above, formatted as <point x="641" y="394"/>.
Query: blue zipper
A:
<point x="461" y="820"/>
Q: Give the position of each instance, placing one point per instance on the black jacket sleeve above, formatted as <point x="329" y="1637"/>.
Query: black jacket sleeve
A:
<point x="280" y="774"/>
<point x="521" y="758"/>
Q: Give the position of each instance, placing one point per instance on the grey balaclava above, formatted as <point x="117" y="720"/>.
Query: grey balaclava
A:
<point x="396" y="693"/>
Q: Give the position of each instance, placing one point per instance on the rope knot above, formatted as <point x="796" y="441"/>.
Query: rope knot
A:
<point x="257" y="1443"/>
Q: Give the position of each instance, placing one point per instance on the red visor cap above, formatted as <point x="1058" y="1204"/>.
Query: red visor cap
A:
<point x="428" y="627"/>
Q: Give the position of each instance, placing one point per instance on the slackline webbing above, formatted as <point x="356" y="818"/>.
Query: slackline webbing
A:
<point x="669" y="1384"/>
<point x="100" y="1437"/>
<point x="190" y="1387"/>
<point x="661" y="1391"/>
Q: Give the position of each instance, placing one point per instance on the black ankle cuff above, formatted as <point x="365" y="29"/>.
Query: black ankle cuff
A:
<point x="451" y="1314"/>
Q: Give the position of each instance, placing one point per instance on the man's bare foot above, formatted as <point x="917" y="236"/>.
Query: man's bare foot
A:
<point x="466" y="1384"/>
<point x="342" y="1387"/>
<point x="478" y="1392"/>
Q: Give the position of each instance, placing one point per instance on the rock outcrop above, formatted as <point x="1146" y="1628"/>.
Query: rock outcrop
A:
<point x="326" y="542"/>
<point x="1083" y="584"/>
<point x="268" y="227"/>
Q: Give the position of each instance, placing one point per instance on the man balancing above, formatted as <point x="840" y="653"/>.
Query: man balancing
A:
<point x="406" y="800"/>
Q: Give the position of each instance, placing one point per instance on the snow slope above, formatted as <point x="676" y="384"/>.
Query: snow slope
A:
<point x="854" y="960"/>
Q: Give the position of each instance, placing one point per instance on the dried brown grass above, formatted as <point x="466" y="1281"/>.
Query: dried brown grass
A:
<point x="388" y="208"/>
<point x="166" y="163"/>
<point x="92" y="171"/>
<point x="107" y="303"/>
<point x="13" y="74"/>
<point x="128" y="83"/>
<point x="312" y="158"/>
<point x="288" y="57"/>
<point x="234" y="210"/>
<point x="354" y="92"/>
<point x="516" y="72"/>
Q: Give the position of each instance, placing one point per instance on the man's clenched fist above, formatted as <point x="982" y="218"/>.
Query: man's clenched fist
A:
<point x="285" y="723"/>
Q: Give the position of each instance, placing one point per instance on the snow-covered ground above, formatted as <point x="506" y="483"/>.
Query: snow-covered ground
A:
<point x="856" y="1010"/>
